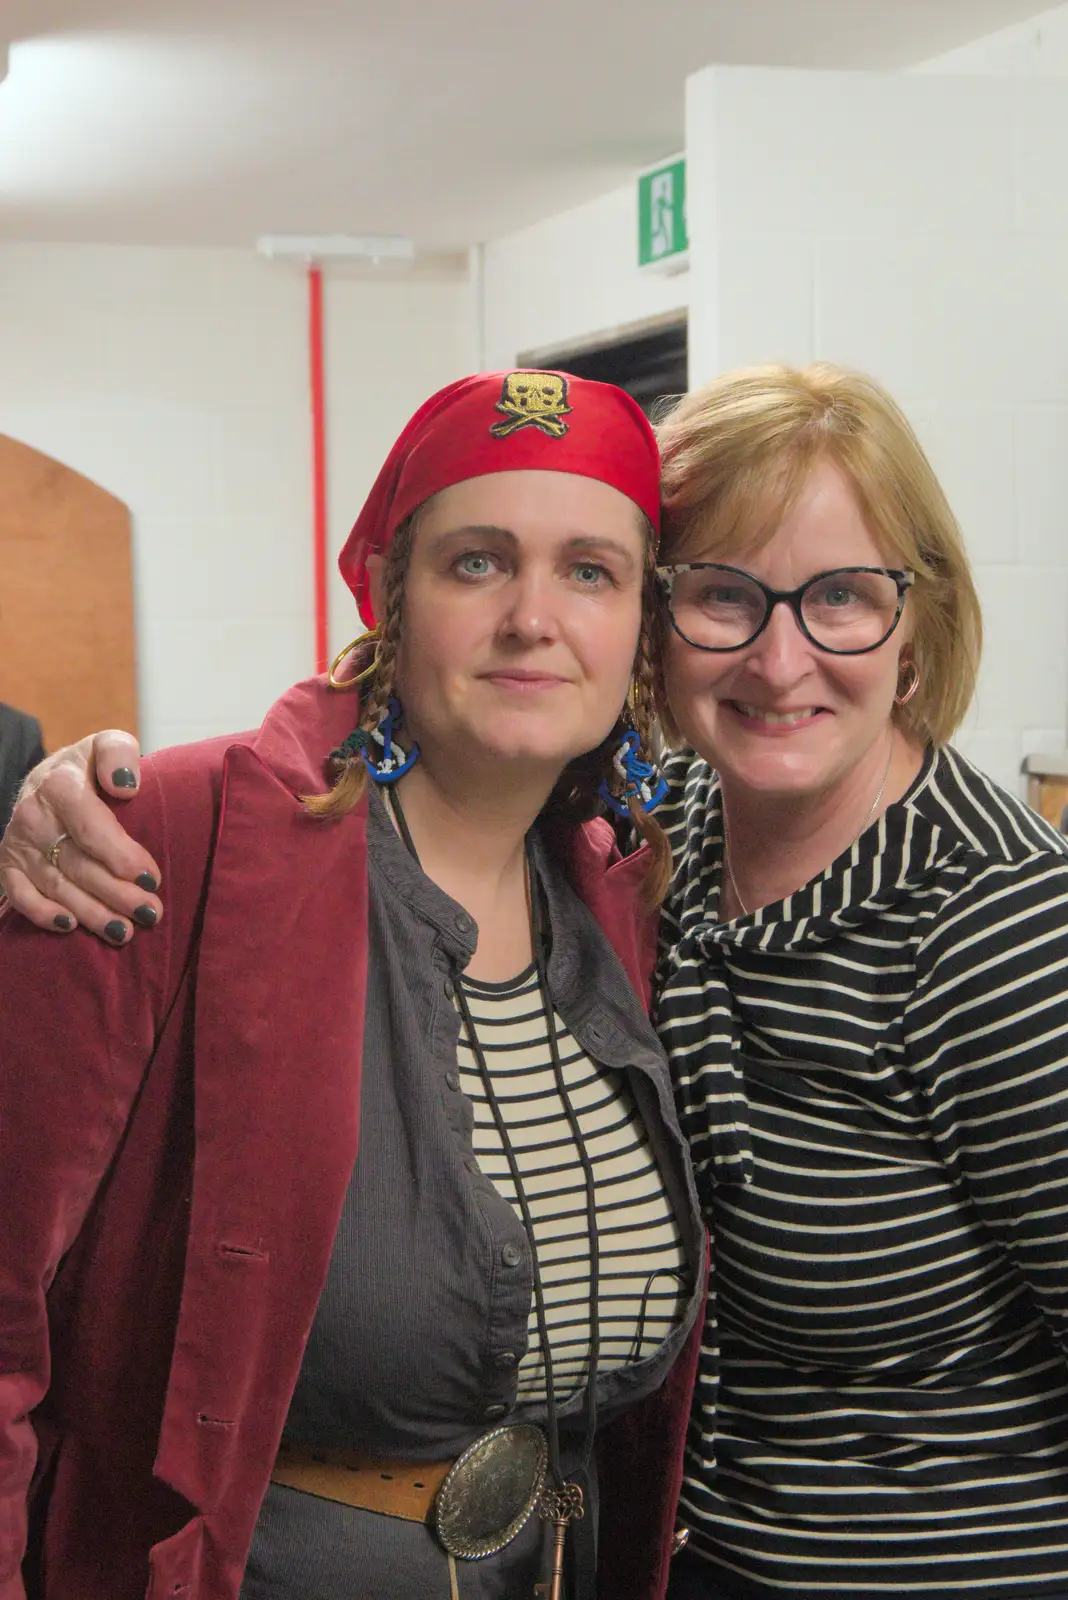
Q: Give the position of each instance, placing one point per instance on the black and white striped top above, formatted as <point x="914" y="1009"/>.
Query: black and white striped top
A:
<point x="873" y="1076"/>
<point x="643" y="1285"/>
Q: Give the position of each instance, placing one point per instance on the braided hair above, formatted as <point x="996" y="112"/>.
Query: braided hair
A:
<point x="352" y="776"/>
<point x="648" y="695"/>
<point x="575" y="798"/>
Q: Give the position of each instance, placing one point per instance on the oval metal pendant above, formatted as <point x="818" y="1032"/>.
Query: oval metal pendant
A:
<point x="491" y="1492"/>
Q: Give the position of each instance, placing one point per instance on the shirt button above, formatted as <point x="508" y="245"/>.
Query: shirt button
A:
<point x="472" y="1165"/>
<point x="506" y="1360"/>
<point x="449" y="990"/>
<point x="464" y="923"/>
<point x="511" y="1255"/>
<point x="453" y="1080"/>
<point x="495" y="1413"/>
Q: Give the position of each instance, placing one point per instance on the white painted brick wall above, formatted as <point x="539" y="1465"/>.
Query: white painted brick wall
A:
<point x="915" y="226"/>
<point x="571" y="277"/>
<point x="178" y="380"/>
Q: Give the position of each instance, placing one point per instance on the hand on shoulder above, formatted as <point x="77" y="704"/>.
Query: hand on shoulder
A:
<point x="65" y="859"/>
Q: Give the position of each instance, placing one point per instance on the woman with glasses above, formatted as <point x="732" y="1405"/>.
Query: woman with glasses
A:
<point x="862" y="983"/>
<point x="863" y="988"/>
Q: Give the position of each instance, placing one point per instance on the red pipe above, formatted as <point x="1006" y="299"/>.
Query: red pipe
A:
<point x="318" y="411"/>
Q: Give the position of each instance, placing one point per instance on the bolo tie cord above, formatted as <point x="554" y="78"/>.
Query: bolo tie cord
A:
<point x="538" y="938"/>
<point x="680" y="1278"/>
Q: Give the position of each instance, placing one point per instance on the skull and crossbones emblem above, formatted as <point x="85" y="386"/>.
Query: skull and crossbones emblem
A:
<point x="532" y="399"/>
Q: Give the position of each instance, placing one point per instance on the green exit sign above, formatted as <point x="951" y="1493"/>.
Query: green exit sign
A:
<point x="662" y="237"/>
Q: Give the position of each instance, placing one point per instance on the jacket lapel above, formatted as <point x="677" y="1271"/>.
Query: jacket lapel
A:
<point x="280" y="984"/>
<point x="612" y="887"/>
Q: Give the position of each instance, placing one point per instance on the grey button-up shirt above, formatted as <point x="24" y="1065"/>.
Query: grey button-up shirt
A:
<point x="424" y="1317"/>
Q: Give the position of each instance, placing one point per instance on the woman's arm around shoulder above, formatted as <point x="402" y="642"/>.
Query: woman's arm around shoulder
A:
<point x="986" y="1036"/>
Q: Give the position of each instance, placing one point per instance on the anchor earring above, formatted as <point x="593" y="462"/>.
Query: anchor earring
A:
<point x="639" y="780"/>
<point x="376" y="749"/>
<point x="386" y="767"/>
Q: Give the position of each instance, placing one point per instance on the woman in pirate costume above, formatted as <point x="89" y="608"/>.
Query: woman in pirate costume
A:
<point x="349" y="1237"/>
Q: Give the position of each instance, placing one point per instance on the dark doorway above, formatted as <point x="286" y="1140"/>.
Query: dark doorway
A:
<point x="649" y="363"/>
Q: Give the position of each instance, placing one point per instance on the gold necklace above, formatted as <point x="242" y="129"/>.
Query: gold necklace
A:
<point x="727" y="840"/>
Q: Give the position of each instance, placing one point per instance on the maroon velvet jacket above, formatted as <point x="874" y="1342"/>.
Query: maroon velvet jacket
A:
<point x="178" y="1124"/>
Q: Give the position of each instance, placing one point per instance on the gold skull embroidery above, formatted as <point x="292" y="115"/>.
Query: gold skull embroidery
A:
<point x="533" y="398"/>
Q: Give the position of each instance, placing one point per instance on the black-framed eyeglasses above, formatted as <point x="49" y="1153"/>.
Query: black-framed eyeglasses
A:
<point x="846" y="612"/>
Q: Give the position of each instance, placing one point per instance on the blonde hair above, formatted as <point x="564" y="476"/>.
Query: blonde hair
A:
<point x="737" y="454"/>
<point x="574" y="799"/>
<point x="352" y="776"/>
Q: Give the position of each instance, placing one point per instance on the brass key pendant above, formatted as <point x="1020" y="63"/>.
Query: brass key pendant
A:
<point x="559" y="1506"/>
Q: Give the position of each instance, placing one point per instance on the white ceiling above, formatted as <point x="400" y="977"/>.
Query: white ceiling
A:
<point x="215" y="121"/>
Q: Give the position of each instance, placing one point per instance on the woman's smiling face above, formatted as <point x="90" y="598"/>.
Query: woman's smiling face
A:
<point x="522" y="611"/>
<point x="780" y="717"/>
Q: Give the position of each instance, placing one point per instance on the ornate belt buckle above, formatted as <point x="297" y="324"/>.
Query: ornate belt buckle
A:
<point x="491" y="1491"/>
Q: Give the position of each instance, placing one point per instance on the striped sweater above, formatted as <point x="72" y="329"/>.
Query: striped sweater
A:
<point x="873" y="1076"/>
<point x="643" y="1278"/>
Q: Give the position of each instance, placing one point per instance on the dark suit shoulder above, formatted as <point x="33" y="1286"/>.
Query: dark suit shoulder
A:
<point x="21" y="747"/>
<point x="21" y="731"/>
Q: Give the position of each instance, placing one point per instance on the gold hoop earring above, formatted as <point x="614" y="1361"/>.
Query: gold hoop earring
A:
<point x="905" y="694"/>
<point x="375" y="637"/>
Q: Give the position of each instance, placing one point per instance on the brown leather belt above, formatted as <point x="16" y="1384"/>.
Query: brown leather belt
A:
<point x="404" y="1489"/>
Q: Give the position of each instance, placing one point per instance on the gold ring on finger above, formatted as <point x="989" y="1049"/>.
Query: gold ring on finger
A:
<point x="51" y="854"/>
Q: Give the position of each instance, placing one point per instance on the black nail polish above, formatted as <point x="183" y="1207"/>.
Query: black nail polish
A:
<point x="145" y="917"/>
<point x="63" y="921"/>
<point x="124" y="778"/>
<point x="116" y="932"/>
<point x="146" y="882"/>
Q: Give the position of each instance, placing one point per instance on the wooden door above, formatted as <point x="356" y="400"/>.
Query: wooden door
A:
<point x="67" y="648"/>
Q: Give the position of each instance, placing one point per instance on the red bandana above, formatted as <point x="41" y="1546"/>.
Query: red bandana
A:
<point x="505" y="422"/>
